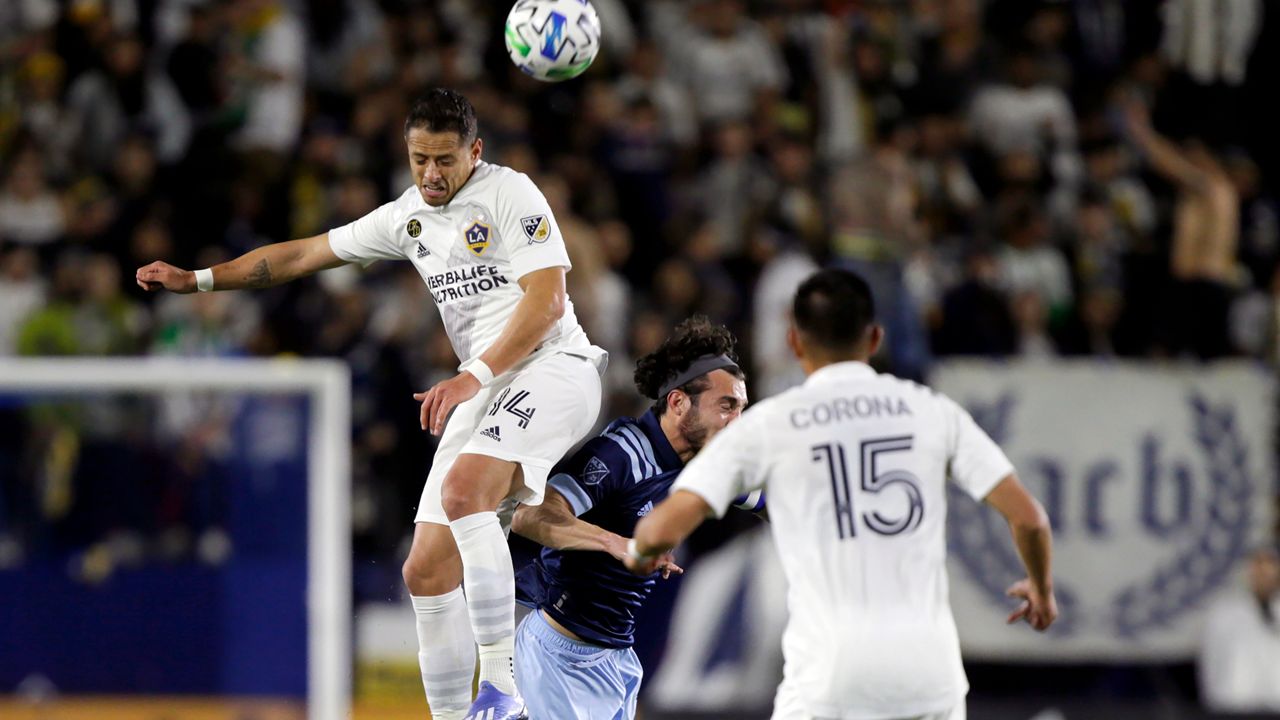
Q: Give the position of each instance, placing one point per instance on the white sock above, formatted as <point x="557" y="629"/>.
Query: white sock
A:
<point x="446" y="653"/>
<point x="491" y="594"/>
<point x="496" y="663"/>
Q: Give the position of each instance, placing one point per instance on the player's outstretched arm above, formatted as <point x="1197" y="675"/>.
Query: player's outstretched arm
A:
<point x="553" y="524"/>
<point x="261" y="267"/>
<point x="1033" y="537"/>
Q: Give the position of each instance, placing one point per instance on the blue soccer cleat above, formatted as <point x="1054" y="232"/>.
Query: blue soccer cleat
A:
<point x="493" y="704"/>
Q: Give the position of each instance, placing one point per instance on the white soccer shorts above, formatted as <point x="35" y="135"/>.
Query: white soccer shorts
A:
<point x="531" y="416"/>
<point x="788" y="704"/>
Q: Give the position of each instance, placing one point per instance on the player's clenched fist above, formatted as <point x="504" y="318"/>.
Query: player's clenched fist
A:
<point x="163" y="276"/>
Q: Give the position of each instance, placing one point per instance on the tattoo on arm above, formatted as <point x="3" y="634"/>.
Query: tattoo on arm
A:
<point x="259" y="276"/>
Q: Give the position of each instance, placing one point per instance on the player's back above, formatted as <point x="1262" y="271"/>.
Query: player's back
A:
<point x="857" y="466"/>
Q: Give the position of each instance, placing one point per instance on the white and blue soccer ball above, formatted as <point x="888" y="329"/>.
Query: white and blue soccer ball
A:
<point x="552" y="40"/>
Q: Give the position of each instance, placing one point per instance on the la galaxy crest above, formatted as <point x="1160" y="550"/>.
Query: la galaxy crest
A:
<point x="477" y="237"/>
<point x="414" y="228"/>
<point x="536" y="228"/>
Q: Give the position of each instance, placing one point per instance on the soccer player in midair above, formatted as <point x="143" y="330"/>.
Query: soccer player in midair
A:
<point x="855" y="466"/>
<point x="528" y="387"/>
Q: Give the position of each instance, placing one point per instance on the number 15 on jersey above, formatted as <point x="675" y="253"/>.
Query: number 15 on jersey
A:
<point x="833" y="456"/>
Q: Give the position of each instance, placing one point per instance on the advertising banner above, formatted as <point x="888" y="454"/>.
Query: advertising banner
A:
<point x="1158" y="479"/>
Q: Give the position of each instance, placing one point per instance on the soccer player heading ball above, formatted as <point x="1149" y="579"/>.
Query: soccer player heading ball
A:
<point x="528" y="388"/>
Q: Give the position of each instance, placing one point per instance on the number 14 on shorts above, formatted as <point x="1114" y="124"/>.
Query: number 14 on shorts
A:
<point x="513" y="406"/>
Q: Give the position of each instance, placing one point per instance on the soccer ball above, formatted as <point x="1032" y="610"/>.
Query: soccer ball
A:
<point x="552" y="40"/>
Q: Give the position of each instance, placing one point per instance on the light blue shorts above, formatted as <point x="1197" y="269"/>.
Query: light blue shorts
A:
<point x="563" y="679"/>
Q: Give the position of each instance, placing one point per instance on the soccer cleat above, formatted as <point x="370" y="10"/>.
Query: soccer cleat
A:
<point x="493" y="704"/>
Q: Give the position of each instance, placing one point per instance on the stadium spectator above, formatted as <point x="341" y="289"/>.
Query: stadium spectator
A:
<point x="1255" y="322"/>
<point x="1108" y="169"/>
<point x="976" y="319"/>
<point x="41" y="79"/>
<point x="1026" y="114"/>
<point x="1028" y="263"/>
<point x="31" y="212"/>
<point x="268" y="79"/>
<point x="1031" y="316"/>
<point x="105" y="105"/>
<point x="1239" y="663"/>
<point x="731" y="66"/>
<point x="732" y="188"/>
<point x="347" y="47"/>
<point x="647" y="80"/>
<point x="1206" y="229"/>
<point x="1098" y="244"/>
<point x="22" y="292"/>
<point x="1259" y="218"/>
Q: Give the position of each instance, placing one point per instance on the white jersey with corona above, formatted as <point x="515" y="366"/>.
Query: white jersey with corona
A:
<point x="855" y="466"/>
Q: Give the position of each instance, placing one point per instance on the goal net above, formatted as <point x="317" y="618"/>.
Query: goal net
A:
<point x="176" y="528"/>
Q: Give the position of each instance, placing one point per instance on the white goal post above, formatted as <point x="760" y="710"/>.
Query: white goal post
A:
<point x="327" y="383"/>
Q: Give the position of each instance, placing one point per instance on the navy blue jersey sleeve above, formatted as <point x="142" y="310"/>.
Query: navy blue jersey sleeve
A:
<point x="590" y="475"/>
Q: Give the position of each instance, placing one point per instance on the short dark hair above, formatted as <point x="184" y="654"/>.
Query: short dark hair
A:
<point x="833" y="309"/>
<point x="443" y="110"/>
<point x="692" y="339"/>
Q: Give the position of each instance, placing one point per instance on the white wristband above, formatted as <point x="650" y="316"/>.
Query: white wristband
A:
<point x="481" y="371"/>
<point x="633" y="552"/>
<point x="204" y="280"/>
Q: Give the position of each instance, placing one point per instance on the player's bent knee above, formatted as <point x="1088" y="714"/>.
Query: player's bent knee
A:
<point x="457" y="503"/>
<point x="425" y="581"/>
<point x="460" y="498"/>
<point x="427" y="575"/>
<point x="477" y="483"/>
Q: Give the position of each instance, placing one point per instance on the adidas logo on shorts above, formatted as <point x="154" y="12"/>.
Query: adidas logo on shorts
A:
<point x="492" y="433"/>
<point x="422" y="251"/>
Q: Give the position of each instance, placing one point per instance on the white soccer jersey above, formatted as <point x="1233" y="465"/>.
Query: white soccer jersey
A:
<point x="471" y="254"/>
<point x="855" y="465"/>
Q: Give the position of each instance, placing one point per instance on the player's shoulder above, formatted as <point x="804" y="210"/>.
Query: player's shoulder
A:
<point x="407" y="201"/>
<point x="493" y="179"/>
<point x="918" y="394"/>
<point x="906" y="386"/>
<point x="604" y="456"/>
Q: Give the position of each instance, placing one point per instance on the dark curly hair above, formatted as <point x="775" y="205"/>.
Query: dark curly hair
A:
<point x="692" y="339"/>
<point x="443" y="110"/>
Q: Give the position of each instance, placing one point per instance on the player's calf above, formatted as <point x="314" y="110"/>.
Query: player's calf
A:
<point x="446" y="647"/>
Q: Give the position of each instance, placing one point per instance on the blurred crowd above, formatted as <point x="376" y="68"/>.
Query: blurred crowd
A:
<point x="1015" y="178"/>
